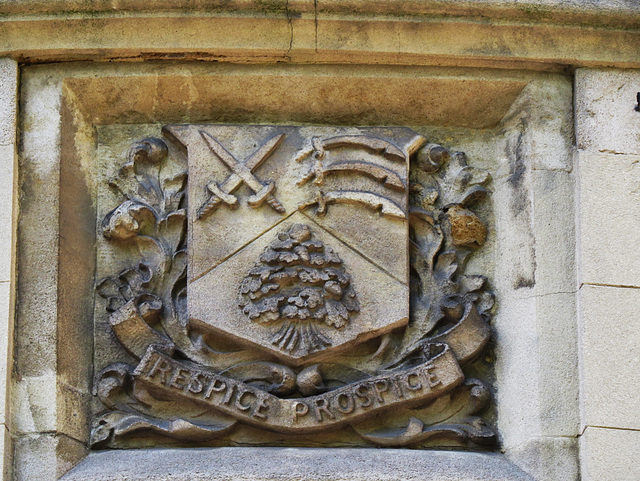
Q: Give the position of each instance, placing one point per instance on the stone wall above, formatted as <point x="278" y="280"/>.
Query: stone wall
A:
<point x="606" y="152"/>
<point x="542" y="94"/>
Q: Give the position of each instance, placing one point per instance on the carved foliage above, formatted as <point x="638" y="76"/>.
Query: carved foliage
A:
<point x="444" y="232"/>
<point x="185" y="389"/>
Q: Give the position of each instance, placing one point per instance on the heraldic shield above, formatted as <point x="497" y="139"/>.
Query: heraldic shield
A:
<point x="298" y="237"/>
<point x="281" y="281"/>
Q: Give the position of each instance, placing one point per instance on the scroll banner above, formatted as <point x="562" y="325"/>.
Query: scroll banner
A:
<point x="414" y="386"/>
<point x="467" y="337"/>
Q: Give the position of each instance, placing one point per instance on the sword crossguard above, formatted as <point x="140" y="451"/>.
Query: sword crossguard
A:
<point x="242" y="172"/>
<point x="266" y="194"/>
<point x="217" y="191"/>
<point x="217" y="196"/>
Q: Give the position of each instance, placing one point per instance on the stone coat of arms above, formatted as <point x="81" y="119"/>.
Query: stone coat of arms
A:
<point x="283" y="281"/>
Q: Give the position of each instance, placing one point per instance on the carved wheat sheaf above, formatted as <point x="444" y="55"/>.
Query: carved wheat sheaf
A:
<point x="302" y="283"/>
<point x="285" y="370"/>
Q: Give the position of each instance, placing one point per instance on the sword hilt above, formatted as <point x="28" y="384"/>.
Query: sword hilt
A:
<point x="209" y="206"/>
<point x="217" y="195"/>
<point x="265" y="194"/>
<point x="275" y="204"/>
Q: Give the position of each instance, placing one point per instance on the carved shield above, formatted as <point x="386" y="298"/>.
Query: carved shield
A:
<point x="298" y="236"/>
<point x="272" y="288"/>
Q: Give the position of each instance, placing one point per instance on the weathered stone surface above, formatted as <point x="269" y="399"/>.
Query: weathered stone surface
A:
<point x="288" y="165"/>
<point x="609" y="454"/>
<point x="8" y="217"/>
<point x="547" y="403"/>
<point x="8" y="102"/>
<point x="542" y="115"/>
<point x="38" y="225"/>
<point x="555" y="232"/>
<point x="301" y="33"/>
<point x="8" y="141"/>
<point x="244" y="180"/>
<point x="610" y="365"/>
<point x="535" y="274"/>
<point x="373" y="287"/>
<point x="560" y="455"/>
<point x="608" y="199"/>
<point x="153" y="92"/>
<point x="45" y="456"/>
<point x="193" y="99"/>
<point x="313" y="284"/>
<point x="606" y="115"/>
<point x="257" y="464"/>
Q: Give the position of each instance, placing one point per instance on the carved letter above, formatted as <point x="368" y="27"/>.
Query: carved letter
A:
<point x="216" y="386"/>
<point x="261" y="404"/>
<point x="195" y="383"/>
<point x="239" y="404"/>
<point x="413" y="387"/>
<point x="368" y="400"/>
<point x="177" y="377"/>
<point x="380" y="386"/>
<point x="319" y="406"/>
<point x="299" y="409"/>
<point x="432" y="378"/>
<point x="344" y="403"/>
<point x="228" y="395"/>
<point x="161" y="366"/>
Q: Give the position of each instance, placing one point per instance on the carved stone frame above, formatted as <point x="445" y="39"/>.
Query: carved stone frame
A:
<point x="534" y="276"/>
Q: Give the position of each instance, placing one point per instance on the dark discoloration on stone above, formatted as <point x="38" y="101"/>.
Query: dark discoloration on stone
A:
<point x="522" y="282"/>
<point x="517" y="172"/>
<point x="520" y="205"/>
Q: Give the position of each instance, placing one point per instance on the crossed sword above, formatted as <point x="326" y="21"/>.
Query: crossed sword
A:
<point x="242" y="172"/>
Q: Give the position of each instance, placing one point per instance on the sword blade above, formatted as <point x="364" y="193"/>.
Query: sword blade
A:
<point x="263" y="152"/>
<point x="237" y="167"/>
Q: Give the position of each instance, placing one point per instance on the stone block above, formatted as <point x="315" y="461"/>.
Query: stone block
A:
<point x="610" y="370"/>
<point x="258" y="464"/>
<point x="608" y="201"/>
<point x="45" y="457"/>
<point x="34" y="404"/>
<point x="557" y="370"/>
<point x="73" y="412"/>
<point x="549" y="458"/>
<point x="7" y="216"/>
<point x="554" y="225"/>
<point x="609" y="454"/>
<point x="536" y="368"/>
<point x="38" y="260"/>
<point x="8" y="132"/>
<point x="606" y="119"/>
<point x="516" y="338"/>
<point x="6" y="334"/>
<point x="535" y="232"/>
<point x="543" y="117"/>
<point x="514" y="232"/>
<point x="8" y="100"/>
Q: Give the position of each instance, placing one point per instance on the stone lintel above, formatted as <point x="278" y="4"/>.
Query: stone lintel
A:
<point x="540" y="35"/>
<point x="293" y="464"/>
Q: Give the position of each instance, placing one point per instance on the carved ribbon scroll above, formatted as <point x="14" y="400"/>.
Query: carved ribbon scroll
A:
<point x="306" y="355"/>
